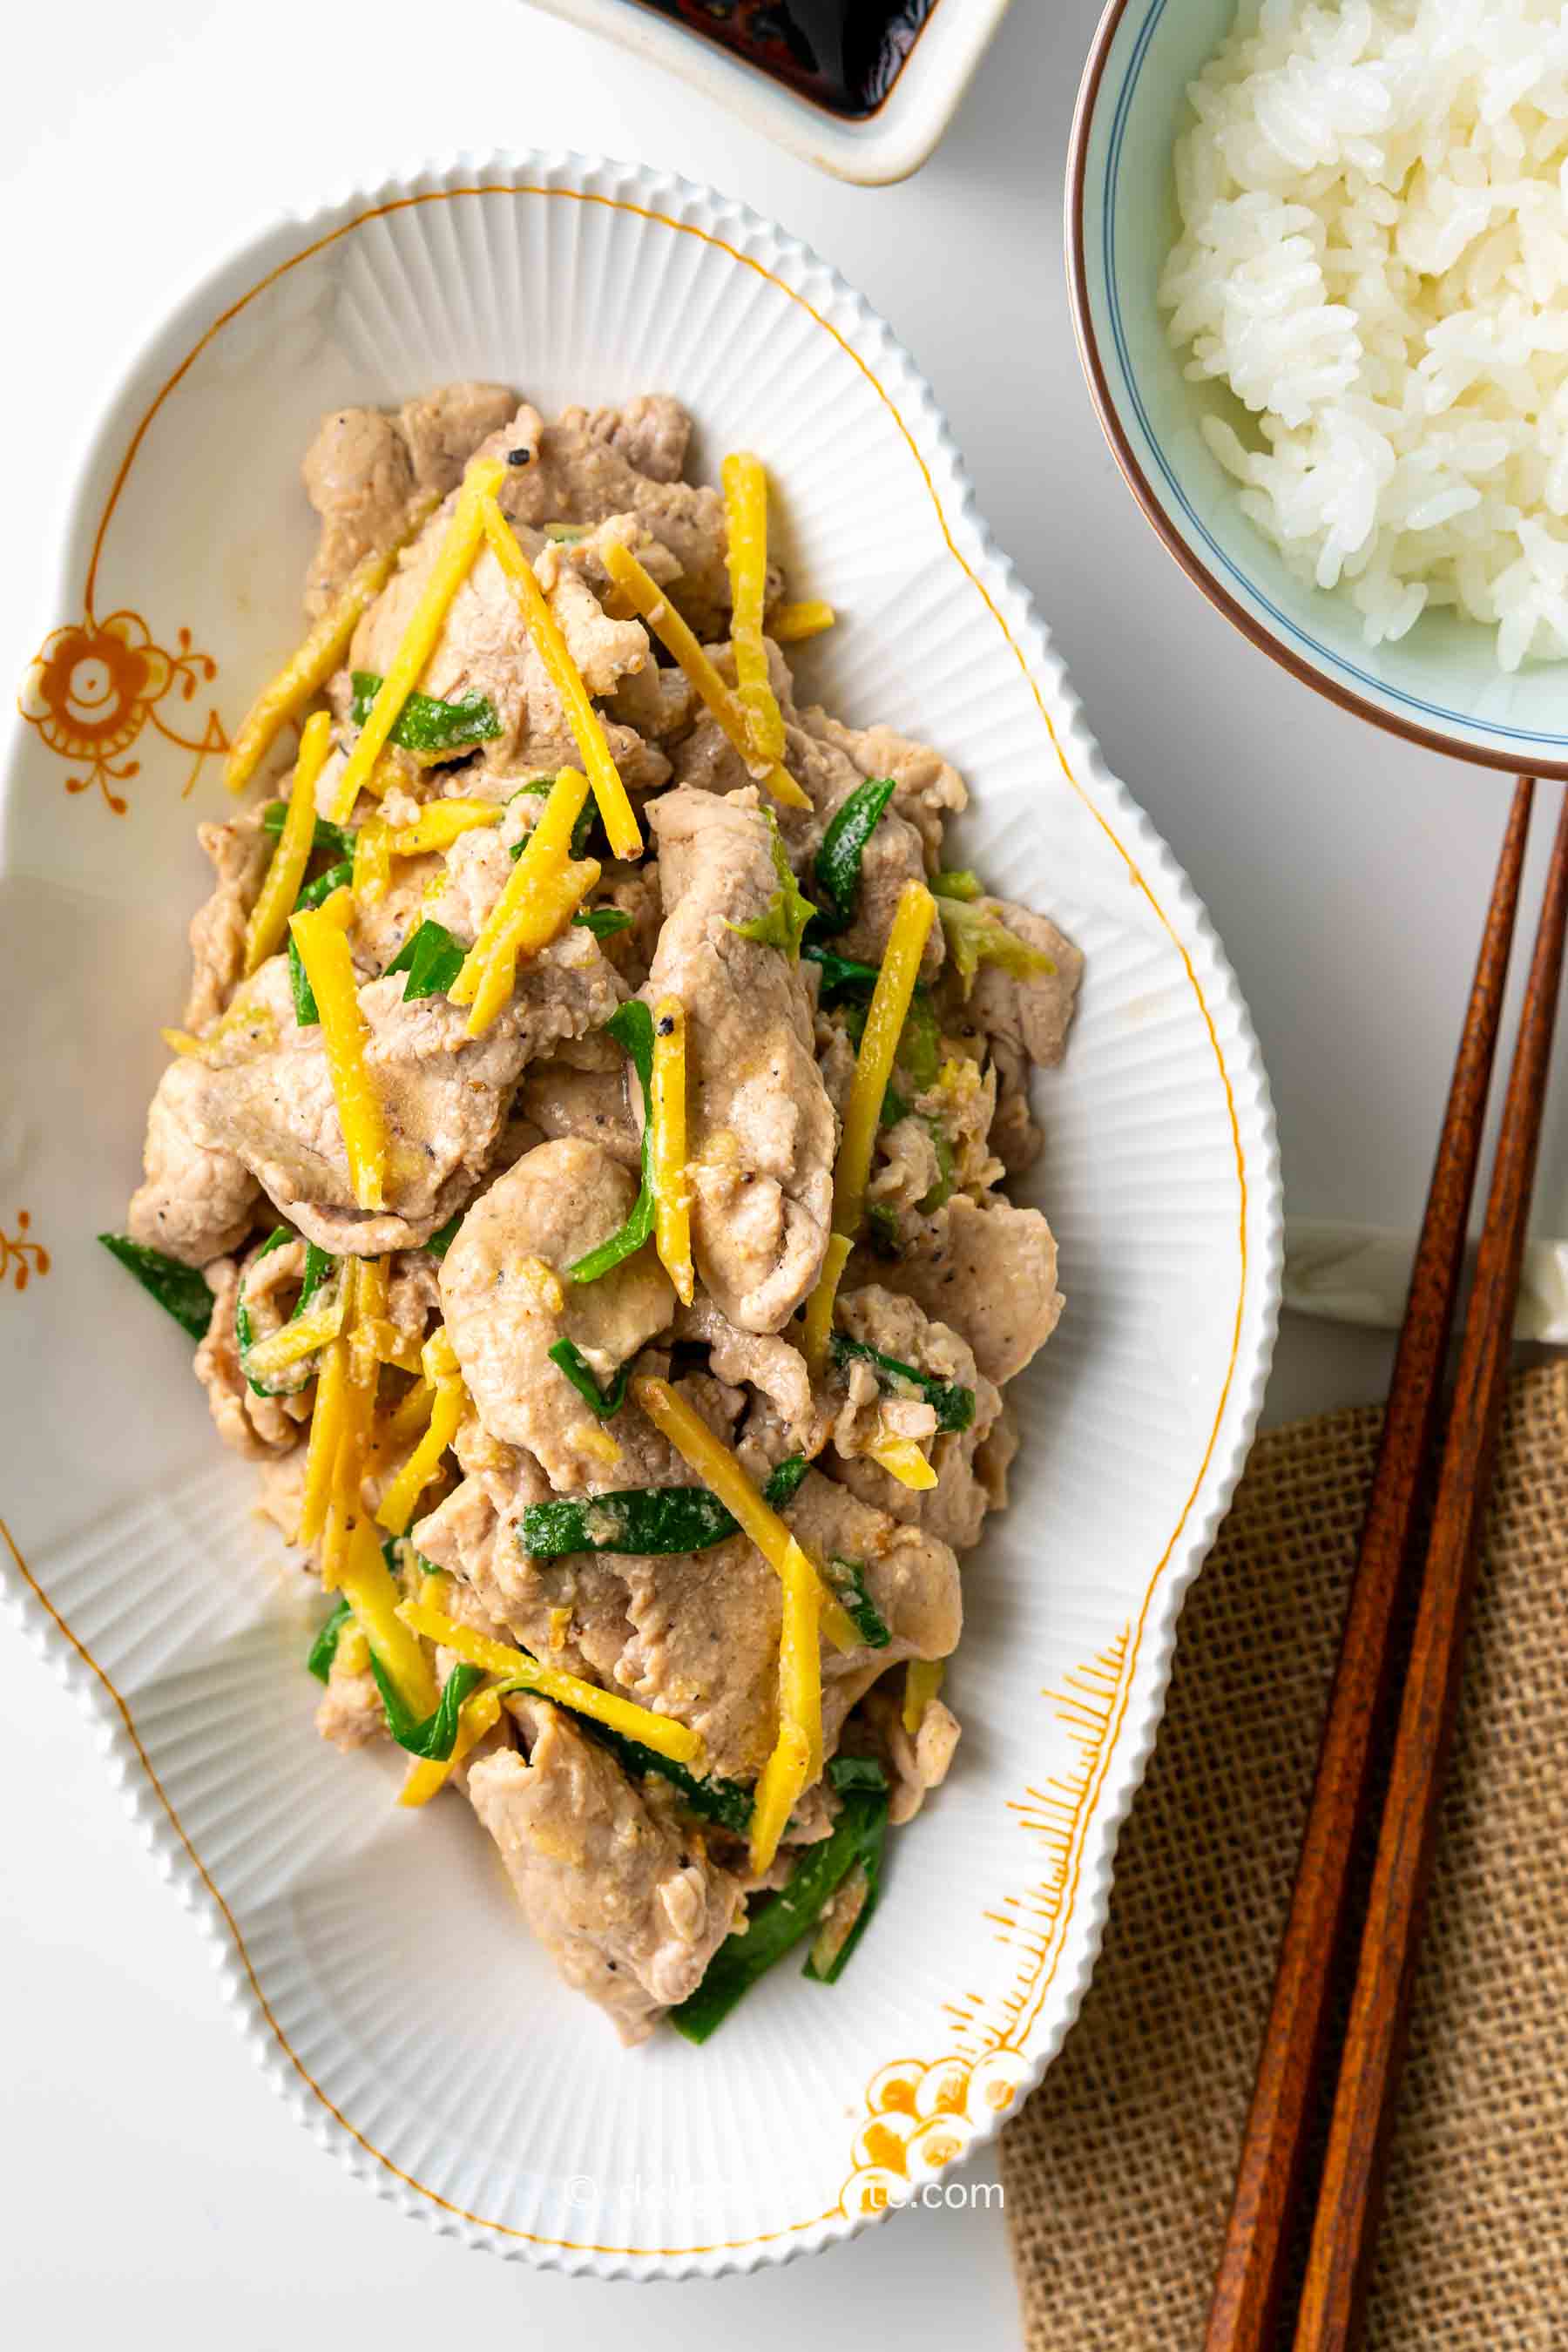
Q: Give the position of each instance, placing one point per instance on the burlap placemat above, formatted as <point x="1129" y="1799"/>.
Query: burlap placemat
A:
<point x="1120" y="2169"/>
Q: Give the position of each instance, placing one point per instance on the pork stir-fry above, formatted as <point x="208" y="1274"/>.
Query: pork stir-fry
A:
<point x="580" y="1169"/>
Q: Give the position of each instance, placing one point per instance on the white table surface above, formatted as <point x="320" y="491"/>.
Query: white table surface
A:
<point x="150" y="2179"/>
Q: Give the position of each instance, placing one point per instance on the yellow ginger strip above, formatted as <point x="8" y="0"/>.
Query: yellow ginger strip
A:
<point x="589" y="1438"/>
<point x="901" y="1458"/>
<point x="809" y="618"/>
<point x="294" y="1341"/>
<point x="659" y="1732"/>
<point x="746" y="516"/>
<point x="550" y="840"/>
<point x="820" y="1305"/>
<point x="326" y="1436"/>
<point x="440" y="825"/>
<point x="270" y="916"/>
<point x="396" y="1506"/>
<point x="671" y="1193"/>
<point x="476" y="1716"/>
<point x="412" y="1413"/>
<point x="587" y="728"/>
<point x="372" y="862"/>
<point x="373" y="1292"/>
<point x="800" y="1654"/>
<point x="546" y="852"/>
<point x="372" y="1591"/>
<point x="390" y="1346"/>
<point x="305" y="672"/>
<point x="873" y="1068"/>
<point x="454" y="561"/>
<point x="922" y="1680"/>
<point x="329" y="968"/>
<point x="546" y="910"/>
<point x="649" y="601"/>
<point x="353" y="1652"/>
<point x="241" y="1015"/>
<point x="345" y="1506"/>
<point x="784" y="1778"/>
<point x="722" y="1475"/>
<point x="879" y="1049"/>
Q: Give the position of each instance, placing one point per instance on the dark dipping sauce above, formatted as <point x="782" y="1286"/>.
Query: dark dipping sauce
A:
<point x="845" y="54"/>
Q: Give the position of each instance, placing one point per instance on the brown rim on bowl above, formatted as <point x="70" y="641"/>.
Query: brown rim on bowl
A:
<point x="1175" y="545"/>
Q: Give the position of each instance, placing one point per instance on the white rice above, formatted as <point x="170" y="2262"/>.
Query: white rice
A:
<point x="1374" y="259"/>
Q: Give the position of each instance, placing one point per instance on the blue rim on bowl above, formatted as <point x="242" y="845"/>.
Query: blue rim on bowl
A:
<point x="1122" y="127"/>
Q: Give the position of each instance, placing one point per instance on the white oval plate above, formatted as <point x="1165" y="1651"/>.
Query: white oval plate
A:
<point x="374" y="1957"/>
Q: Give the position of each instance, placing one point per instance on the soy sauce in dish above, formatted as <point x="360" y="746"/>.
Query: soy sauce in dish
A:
<point x="845" y="53"/>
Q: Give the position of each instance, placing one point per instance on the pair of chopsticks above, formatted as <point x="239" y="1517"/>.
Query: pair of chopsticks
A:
<point x="1245" y="2315"/>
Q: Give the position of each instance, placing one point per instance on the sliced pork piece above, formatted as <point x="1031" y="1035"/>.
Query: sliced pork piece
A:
<point x="509" y="1298"/>
<point x="1015" y="1138"/>
<point x="771" y="1365"/>
<point x="961" y="1106"/>
<point x="695" y="1635"/>
<point x="350" y="1714"/>
<point x="651" y="432"/>
<point x="443" y="1093"/>
<point x="469" y="1534"/>
<point x="633" y="891"/>
<point x="691" y="1634"/>
<point x="580" y="472"/>
<point x="384" y="925"/>
<point x="280" y="1484"/>
<point x="658" y="703"/>
<point x="955" y="1508"/>
<point x="895" y="852"/>
<point x="621" y="1896"/>
<point x="990" y="1271"/>
<point x="253" y="1425"/>
<point x="442" y="429"/>
<point x="582" y="1092"/>
<point x="700" y="1633"/>
<point x="894" y="855"/>
<point x="761" y="1130"/>
<point x="479" y="864"/>
<point x="413" y="1296"/>
<point x="911" y="1576"/>
<point x="916" y="1765"/>
<point x="198" y="1202"/>
<point x="928" y="790"/>
<point x="905" y="1169"/>
<point x="240" y="853"/>
<point x="484" y="647"/>
<point x="1031" y="1016"/>
<point x="364" y="468"/>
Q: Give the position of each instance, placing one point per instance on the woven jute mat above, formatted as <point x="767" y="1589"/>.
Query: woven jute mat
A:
<point x="1120" y="2169"/>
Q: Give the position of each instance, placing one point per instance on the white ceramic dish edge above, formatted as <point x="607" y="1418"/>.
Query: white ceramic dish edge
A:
<point x="915" y="404"/>
<point x="885" y="146"/>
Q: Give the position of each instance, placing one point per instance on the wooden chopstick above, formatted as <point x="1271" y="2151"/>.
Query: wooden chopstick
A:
<point x="1350" y="2194"/>
<point x="1250" y="2277"/>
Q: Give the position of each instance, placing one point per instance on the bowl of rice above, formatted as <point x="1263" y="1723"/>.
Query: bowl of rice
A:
<point x="1318" y="252"/>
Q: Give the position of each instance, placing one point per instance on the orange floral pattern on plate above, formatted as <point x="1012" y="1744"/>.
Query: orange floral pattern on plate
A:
<point x="95" y="685"/>
<point x="22" y="1257"/>
<point x="923" y="2115"/>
